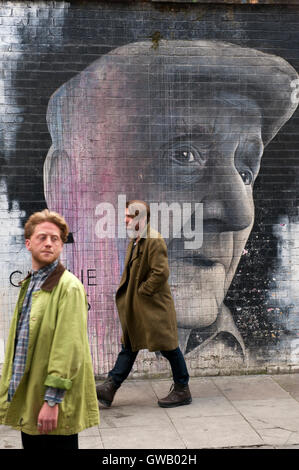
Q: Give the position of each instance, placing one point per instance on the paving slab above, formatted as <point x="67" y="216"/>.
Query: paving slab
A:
<point x="212" y="432"/>
<point x="90" y="442"/>
<point x="235" y="412"/>
<point x="146" y="437"/>
<point x="250" y="387"/>
<point x="140" y="395"/>
<point x="200" y="407"/>
<point x="133" y="416"/>
<point x="289" y="382"/>
<point x="10" y="442"/>
<point x="283" y="414"/>
<point x="276" y="420"/>
<point x="9" y="438"/>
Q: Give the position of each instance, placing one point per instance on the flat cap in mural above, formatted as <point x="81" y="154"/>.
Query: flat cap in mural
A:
<point x="237" y="73"/>
<point x="199" y="70"/>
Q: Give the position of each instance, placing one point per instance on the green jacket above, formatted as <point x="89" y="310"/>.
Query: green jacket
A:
<point x="58" y="356"/>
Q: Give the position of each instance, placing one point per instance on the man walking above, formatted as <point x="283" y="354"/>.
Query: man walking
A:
<point x="47" y="384"/>
<point x="146" y="309"/>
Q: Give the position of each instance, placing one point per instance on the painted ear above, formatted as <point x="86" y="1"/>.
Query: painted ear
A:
<point x="58" y="182"/>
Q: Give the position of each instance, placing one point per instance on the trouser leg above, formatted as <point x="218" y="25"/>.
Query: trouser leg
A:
<point x="178" y="366"/>
<point x="123" y="365"/>
<point x="179" y="392"/>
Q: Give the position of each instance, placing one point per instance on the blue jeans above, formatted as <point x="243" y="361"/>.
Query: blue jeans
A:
<point x="126" y="358"/>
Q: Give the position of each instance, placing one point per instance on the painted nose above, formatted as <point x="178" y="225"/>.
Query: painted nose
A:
<point x="228" y="207"/>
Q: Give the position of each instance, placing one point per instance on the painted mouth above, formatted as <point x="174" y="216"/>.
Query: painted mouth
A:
<point x="198" y="286"/>
<point x="205" y="259"/>
<point x="198" y="260"/>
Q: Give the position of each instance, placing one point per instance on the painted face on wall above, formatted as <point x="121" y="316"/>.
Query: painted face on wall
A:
<point x="214" y="161"/>
<point x="181" y="125"/>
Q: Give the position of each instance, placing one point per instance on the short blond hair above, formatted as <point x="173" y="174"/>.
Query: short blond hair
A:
<point x="46" y="216"/>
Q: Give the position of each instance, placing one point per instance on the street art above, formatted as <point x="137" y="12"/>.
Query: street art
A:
<point x="185" y="122"/>
<point x="15" y="171"/>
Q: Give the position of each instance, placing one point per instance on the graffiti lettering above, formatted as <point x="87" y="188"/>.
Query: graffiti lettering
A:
<point x="87" y="277"/>
<point x="12" y="280"/>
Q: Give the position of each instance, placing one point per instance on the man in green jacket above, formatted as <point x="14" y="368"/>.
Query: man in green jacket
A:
<point x="47" y="384"/>
<point x="146" y="309"/>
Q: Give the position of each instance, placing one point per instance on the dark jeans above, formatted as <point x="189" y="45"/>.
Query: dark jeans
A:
<point x="45" y="441"/>
<point x="126" y="359"/>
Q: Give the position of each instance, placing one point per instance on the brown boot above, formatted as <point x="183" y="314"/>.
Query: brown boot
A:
<point x="179" y="395"/>
<point x="106" y="392"/>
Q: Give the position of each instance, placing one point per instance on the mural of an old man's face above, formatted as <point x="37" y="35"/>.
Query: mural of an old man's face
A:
<point x="184" y="123"/>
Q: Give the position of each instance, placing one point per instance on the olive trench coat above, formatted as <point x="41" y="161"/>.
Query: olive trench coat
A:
<point x="58" y="355"/>
<point x="144" y="301"/>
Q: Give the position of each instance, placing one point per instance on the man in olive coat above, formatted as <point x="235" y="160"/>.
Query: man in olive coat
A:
<point x="146" y="309"/>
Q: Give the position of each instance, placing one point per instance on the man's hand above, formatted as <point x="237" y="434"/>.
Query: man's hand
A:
<point x="47" y="418"/>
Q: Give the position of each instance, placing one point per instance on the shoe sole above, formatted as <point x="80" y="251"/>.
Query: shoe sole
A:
<point x="105" y="403"/>
<point x="173" y="405"/>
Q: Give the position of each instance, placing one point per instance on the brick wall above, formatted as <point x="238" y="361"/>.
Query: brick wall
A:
<point x="78" y="119"/>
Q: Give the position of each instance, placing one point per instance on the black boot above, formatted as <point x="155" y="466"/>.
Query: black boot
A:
<point x="106" y="392"/>
<point x="179" y="395"/>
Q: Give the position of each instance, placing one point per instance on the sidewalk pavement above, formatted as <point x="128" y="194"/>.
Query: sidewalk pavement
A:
<point x="231" y="412"/>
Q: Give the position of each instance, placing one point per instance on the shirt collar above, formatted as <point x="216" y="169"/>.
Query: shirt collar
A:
<point x="45" y="269"/>
<point x="51" y="280"/>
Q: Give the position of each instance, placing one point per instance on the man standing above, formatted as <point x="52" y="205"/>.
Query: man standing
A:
<point x="47" y="384"/>
<point x="146" y="309"/>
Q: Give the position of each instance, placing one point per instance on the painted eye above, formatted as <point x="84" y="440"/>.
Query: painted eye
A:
<point x="184" y="156"/>
<point x="246" y="176"/>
